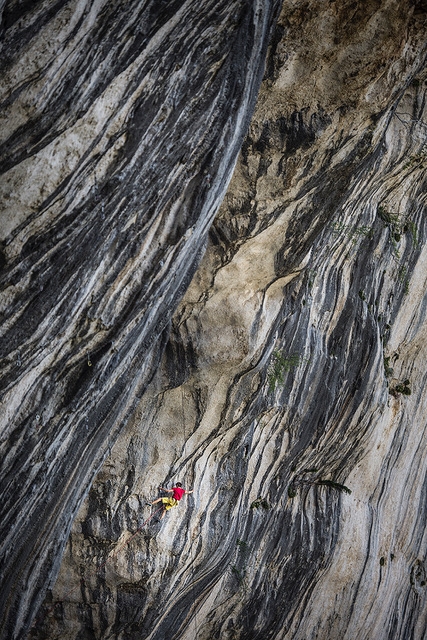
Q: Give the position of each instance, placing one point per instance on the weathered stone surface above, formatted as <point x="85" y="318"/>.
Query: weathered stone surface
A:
<point x="287" y="367"/>
<point x="121" y="124"/>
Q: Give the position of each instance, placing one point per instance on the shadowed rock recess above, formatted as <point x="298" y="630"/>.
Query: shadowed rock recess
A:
<point x="285" y="382"/>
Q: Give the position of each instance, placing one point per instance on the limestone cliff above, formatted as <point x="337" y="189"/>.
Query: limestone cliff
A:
<point x="121" y="125"/>
<point x="288" y="388"/>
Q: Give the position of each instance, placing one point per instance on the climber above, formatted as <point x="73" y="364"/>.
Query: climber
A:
<point x="177" y="493"/>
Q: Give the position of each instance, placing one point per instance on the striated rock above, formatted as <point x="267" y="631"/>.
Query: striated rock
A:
<point x="289" y="387"/>
<point x="121" y="125"/>
<point x="290" y="391"/>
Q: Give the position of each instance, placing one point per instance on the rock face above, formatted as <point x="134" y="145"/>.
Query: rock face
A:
<point x="292" y="371"/>
<point x="121" y="125"/>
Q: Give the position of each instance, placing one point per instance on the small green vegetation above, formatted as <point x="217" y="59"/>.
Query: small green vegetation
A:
<point x="362" y="295"/>
<point x="411" y="227"/>
<point x="390" y="219"/>
<point x="401" y="273"/>
<point x="260" y="503"/>
<point x="302" y="479"/>
<point x="292" y="492"/>
<point x="385" y="333"/>
<point x="279" y="366"/>
<point x="397" y="226"/>
<point x="382" y="562"/>
<point x="402" y="276"/>
<point x="334" y="485"/>
<point x="243" y="546"/>
<point x="353" y="232"/>
<point x="388" y="370"/>
<point x="401" y="388"/>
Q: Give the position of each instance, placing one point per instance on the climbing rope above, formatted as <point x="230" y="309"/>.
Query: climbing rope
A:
<point x="127" y="541"/>
<point x="191" y="544"/>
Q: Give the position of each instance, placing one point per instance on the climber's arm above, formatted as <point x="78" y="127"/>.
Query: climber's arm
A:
<point x="167" y="490"/>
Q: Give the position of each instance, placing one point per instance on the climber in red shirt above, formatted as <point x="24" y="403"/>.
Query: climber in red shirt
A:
<point x="169" y="502"/>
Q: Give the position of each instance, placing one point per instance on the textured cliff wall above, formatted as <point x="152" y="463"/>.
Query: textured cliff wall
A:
<point x="121" y="125"/>
<point x="295" y="359"/>
<point x="289" y="363"/>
